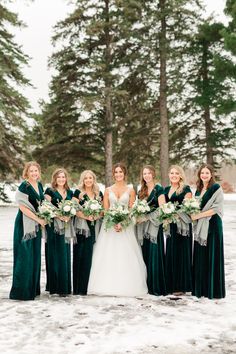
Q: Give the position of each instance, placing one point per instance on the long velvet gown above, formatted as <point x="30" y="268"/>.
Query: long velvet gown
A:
<point x="57" y="251"/>
<point x="27" y="254"/>
<point x="178" y="252"/>
<point x="208" y="261"/>
<point x="82" y="253"/>
<point x="153" y="253"/>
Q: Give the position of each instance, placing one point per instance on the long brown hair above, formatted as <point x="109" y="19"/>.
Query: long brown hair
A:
<point x="123" y="168"/>
<point x="56" y="174"/>
<point x="182" y="182"/>
<point x="199" y="181"/>
<point x="143" y="193"/>
<point x="27" y="167"/>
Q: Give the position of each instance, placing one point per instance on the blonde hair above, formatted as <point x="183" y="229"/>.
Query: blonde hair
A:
<point x="182" y="180"/>
<point x="55" y="176"/>
<point x="27" y="167"/>
<point x="95" y="187"/>
<point x="143" y="193"/>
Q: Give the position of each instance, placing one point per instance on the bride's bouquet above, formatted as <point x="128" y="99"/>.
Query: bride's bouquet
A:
<point x="167" y="214"/>
<point x="46" y="211"/>
<point x="117" y="214"/>
<point x="190" y="206"/>
<point x="67" y="208"/>
<point x="92" y="207"/>
<point x="139" y="209"/>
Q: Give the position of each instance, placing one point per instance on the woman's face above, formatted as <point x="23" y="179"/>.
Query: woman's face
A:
<point x="88" y="180"/>
<point x="147" y="175"/>
<point x="174" y="176"/>
<point x="205" y="175"/>
<point x="61" y="179"/>
<point x="119" y="175"/>
<point x="33" y="173"/>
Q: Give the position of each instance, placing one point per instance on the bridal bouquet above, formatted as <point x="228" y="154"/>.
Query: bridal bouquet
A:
<point x="190" y="206"/>
<point x="139" y="209"/>
<point x="92" y="207"/>
<point x="46" y="211"/>
<point x="117" y="214"/>
<point x="167" y="214"/>
<point x="67" y="208"/>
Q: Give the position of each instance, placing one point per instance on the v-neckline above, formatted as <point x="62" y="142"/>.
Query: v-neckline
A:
<point x="118" y="198"/>
<point x="34" y="190"/>
<point x="61" y="195"/>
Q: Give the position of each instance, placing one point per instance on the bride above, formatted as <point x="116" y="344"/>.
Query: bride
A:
<point x="117" y="266"/>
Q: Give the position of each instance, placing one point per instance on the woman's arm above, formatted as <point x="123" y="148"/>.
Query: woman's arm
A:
<point x="161" y="199"/>
<point x="203" y="214"/>
<point x="106" y="203"/>
<point x="132" y="198"/>
<point x="188" y="195"/>
<point x="31" y="215"/>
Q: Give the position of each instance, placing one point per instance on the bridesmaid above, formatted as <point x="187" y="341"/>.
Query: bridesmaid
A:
<point x="57" y="250"/>
<point x="153" y="252"/>
<point x="178" y="246"/>
<point x="208" y="260"/>
<point x="27" y="236"/>
<point x="83" y="249"/>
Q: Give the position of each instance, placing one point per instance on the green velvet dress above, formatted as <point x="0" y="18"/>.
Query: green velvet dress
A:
<point x="178" y="252"/>
<point x="208" y="261"/>
<point x="153" y="253"/>
<point x="58" y="253"/>
<point x="82" y="254"/>
<point x="27" y="254"/>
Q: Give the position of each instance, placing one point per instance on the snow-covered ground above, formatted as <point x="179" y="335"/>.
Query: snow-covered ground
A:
<point x="117" y="325"/>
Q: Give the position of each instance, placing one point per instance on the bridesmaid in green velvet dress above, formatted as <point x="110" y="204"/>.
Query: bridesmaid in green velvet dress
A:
<point x="153" y="253"/>
<point x="208" y="260"/>
<point x="83" y="249"/>
<point x="57" y="250"/>
<point x="27" y="251"/>
<point x="178" y="247"/>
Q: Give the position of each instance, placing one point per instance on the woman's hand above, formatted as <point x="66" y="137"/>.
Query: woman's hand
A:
<point x="140" y="220"/>
<point x="64" y="218"/>
<point x="194" y="217"/>
<point x="42" y="222"/>
<point x="118" y="227"/>
<point x="90" y="218"/>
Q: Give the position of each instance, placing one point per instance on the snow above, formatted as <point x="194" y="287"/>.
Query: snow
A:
<point x="90" y="324"/>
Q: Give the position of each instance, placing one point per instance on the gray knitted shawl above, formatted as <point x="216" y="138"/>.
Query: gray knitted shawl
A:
<point x="30" y="227"/>
<point x="201" y="226"/>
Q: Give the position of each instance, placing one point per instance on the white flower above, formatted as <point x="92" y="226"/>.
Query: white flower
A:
<point x="66" y="208"/>
<point x="73" y="211"/>
<point x="94" y="206"/>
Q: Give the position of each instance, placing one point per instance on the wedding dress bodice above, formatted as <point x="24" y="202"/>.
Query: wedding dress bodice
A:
<point x="124" y="198"/>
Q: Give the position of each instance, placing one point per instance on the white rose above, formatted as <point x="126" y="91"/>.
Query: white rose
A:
<point x="73" y="211"/>
<point x="66" y="208"/>
<point x="93" y="207"/>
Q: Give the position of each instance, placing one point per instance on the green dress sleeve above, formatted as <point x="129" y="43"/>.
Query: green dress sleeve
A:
<point x="159" y="190"/>
<point x="76" y="193"/>
<point x="49" y="192"/>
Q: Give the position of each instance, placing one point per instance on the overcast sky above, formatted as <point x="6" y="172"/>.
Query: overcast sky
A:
<point x="40" y="16"/>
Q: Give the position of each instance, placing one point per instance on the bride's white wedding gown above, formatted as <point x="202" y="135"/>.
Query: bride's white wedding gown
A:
<point x="117" y="266"/>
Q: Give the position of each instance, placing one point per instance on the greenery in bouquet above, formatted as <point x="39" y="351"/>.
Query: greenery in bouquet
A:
<point x="167" y="214"/>
<point x="139" y="209"/>
<point x="190" y="206"/>
<point x="117" y="214"/>
<point x="46" y="211"/>
<point x="92" y="207"/>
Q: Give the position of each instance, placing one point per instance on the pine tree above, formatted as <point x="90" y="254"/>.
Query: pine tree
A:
<point x="13" y="106"/>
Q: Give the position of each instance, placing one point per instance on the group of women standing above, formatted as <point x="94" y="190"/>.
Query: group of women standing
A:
<point x="112" y="262"/>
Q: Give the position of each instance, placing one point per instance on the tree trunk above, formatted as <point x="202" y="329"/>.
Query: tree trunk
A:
<point x="108" y="104"/>
<point x="206" y="113"/>
<point x="164" y="127"/>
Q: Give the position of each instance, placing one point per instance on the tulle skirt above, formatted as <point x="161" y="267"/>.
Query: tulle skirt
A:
<point x="118" y="268"/>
